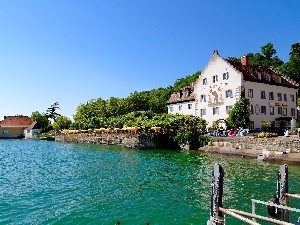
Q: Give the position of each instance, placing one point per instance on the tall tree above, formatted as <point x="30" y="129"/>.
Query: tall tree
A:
<point x="51" y="111"/>
<point x="292" y="67"/>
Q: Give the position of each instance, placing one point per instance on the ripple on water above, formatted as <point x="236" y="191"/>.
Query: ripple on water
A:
<point x="52" y="183"/>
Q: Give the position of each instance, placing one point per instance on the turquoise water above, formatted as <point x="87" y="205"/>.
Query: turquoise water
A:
<point x="54" y="183"/>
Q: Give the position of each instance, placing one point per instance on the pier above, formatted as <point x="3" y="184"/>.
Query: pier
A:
<point x="278" y="206"/>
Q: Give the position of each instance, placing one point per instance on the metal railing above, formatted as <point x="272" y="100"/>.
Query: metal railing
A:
<point x="279" y="206"/>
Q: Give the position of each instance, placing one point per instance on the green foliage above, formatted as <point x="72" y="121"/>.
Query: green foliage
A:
<point x="184" y="137"/>
<point x="265" y="123"/>
<point x="41" y="118"/>
<point x="292" y="67"/>
<point x="239" y="115"/>
<point x="203" y="140"/>
<point x="51" y="111"/>
<point x="267" y="57"/>
<point x="62" y="122"/>
<point x="182" y="82"/>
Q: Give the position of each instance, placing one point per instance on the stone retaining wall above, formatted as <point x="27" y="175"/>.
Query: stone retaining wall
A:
<point x="126" y="140"/>
<point x="279" y="144"/>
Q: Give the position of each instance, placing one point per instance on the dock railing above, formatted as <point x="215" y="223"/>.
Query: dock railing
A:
<point x="277" y="207"/>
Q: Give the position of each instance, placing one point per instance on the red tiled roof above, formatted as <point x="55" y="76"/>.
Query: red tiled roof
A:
<point x="16" y="121"/>
<point x="183" y="97"/>
<point x="250" y="74"/>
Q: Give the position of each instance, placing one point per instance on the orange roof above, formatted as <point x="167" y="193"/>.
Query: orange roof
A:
<point x="16" y="121"/>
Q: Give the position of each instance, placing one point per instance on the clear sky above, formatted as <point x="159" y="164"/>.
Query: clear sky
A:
<point x="72" y="51"/>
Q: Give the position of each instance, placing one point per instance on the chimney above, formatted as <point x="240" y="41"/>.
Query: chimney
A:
<point x="216" y="52"/>
<point x="244" y="60"/>
<point x="4" y="117"/>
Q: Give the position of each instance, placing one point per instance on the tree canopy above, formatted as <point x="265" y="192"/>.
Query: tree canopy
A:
<point x="239" y="115"/>
<point x="267" y="57"/>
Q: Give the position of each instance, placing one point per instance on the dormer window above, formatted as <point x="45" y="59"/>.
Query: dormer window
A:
<point x="187" y="92"/>
<point x="269" y="77"/>
<point x="259" y="76"/>
<point x="179" y="94"/>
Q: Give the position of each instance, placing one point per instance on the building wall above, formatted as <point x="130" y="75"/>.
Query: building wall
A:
<point x="184" y="108"/>
<point x="30" y="133"/>
<point x="11" y="132"/>
<point x="286" y="104"/>
<point x="215" y="90"/>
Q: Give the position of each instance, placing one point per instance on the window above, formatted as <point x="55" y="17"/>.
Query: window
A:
<point x="187" y="92"/>
<point x="204" y="81"/>
<point x="203" y="98"/>
<point x="263" y="95"/>
<point x="202" y="112"/>
<point x="284" y="111"/>
<point x="190" y="106"/>
<point x="171" y="108"/>
<point x="215" y="78"/>
<point x="284" y="97"/>
<point x="251" y="125"/>
<point x="250" y="93"/>
<point x="293" y="112"/>
<point x="228" y="108"/>
<point x="263" y="110"/>
<point x="216" y="111"/>
<point x="279" y="96"/>
<point x="279" y="79"/>
<point x="279" y="110"/>
<point x="179" y="94"/>
<point x="271" y="96"/>
<point x="292" y="98"/>
<point x="269" y="77"/>
<point x="259" y="76"/>
<point x="251" y="109"/>
<point x="271" y="110"/>
<point x="225" y="76"/>
<point x="180" y="107"/>
<point x="228" y="93"/>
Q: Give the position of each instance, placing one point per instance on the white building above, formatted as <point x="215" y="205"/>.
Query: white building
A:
<point x="273" y="97"/>
<point x="182" y="101"/>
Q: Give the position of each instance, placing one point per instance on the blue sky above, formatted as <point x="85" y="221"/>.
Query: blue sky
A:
<point x="72" y="51"/>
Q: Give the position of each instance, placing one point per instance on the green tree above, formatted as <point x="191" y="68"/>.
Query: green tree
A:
<point x="267" y="57"/>
<point x="239" y="115"/>
<point x="292" y="67"/>
<point x="182" y="82"/>
<point x="51" y="111"/>
<point x="62" y="122"/>
<point x="41" y="118"/>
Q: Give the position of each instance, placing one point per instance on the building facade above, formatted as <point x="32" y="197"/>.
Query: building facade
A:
<point x="273" y="97"/>
<point x="14" y="126"/>
<point x="183" y="101"/>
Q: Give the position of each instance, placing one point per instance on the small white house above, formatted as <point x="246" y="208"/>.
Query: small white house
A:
<point x="32" y="130"/>
<point x="182" y="101"/>
<point x="273" y="97"/>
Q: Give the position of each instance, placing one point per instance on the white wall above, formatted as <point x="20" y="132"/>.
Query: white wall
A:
<point x="215" y="92"/>
<point x="257" y="101"/>
<point x="175" y="108"/>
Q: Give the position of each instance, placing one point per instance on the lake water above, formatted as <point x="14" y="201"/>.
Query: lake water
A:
<point x="55" y="183"/>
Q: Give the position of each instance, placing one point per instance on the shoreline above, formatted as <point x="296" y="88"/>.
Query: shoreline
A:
<point x="290" y="158"/>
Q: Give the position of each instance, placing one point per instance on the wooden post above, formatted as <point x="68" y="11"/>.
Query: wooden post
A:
<point x="282" y="188"/>
<point x="216" y="216"/>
